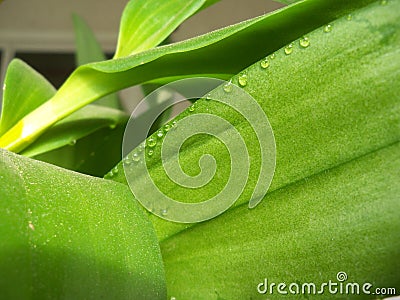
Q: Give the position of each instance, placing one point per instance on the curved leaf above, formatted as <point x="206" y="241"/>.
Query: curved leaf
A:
<point x="342" y="220"/>
<point x="62" y="231"/>
<point x="204" y="55"/>
<point x="146" y="23"/>
<point x="329" y="102"/>
<point x="24" y="91"/>
<point x="94" y="154"/>
<point x="76" y="126"/>
<point x="89" y="50"/>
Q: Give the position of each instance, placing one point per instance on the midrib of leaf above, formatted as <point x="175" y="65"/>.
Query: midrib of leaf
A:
<point x="203" y="55"/>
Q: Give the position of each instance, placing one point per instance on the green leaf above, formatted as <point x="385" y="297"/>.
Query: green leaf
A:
<point x="342" y="220"/>
<point x="327" y="103"/>
<point x="66" y="235"/>
<point x="24" y="91"/>
<point x="89" y="50"/>
<point x="146" y="23"/>
<point x="76" y="126"/>
<point x="94" y="154"/>
<point x="206" y="55"/>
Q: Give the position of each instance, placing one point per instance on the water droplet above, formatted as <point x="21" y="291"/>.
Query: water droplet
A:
<point x="115" y="170"/>
<point x="150" y="153"/>
<point x="164" y="212"/>
<point x="112" y="126"/>
<point x="31" y="226"/>
<point x="264" y="63"/>
<point x="167" y="127"/>
<point x="349" y="17"/>
<point x="243" y="79"/>
<point x="328" y="28"/>
<point x="151" y="142"/>
<point x="4" y="87"/>
<point x="72" y="143"/>
<point x="135" y="157"/>
<point x="272" y="56"/>
<point x="289" y="49"/>
<point x="141" y="147"/>
<point x="191" y="108"/>
<point x="304" y="42"/>
<point x="110" y="174"/>
<point x="208" y="97"/>
<point x="384" y="2"/>
<point x="127" y="161"/>
<point x="174" y="124"/>
<point x="228" y="87"/>
<point x="173" y="298"/>
<point x="160" y="134"/>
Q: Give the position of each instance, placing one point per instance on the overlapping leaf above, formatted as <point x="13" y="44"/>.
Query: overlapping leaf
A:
<point x="318" y="121"/>
<point x="206" y="55"/>
<point x="66" y="235"/>
<point x="342" y="220"/>
<point x="89" y="50"/>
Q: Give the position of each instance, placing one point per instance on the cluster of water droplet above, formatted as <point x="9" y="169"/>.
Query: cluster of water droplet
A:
<point x="147" y="146"/>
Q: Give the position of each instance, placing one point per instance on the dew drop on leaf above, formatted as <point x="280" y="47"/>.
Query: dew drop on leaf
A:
<point x="135" y="157"/>
<point x="151" y="142"/>
<point x="328" y="28"/>
<point x="191" y="108"/>
<point x="160" y="134"/>
<point x="272" y="56"/>
<point x="349" y="17"/>
<point x="150" y="153"/>
<point x="289" y="49"/>
<point x="115" y="170"/>
<point x="304" y="42"/>
<point x="243" y="80"/>
<point x="264" y="63"/>
<point x="72" y="143"/>
<point x="31" y="226"/>
<point x="127" y="161"/>
<point x="228" y="87"/>
<point x="167" y="127"/>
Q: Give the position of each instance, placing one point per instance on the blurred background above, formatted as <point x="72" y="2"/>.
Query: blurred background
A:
<point x="40" y="32"/>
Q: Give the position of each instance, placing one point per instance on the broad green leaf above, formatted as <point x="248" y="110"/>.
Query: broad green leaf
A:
<point x="328" y="103"/>
<point x="146" y="23"/>
<point x="94" y="154"/>
<point x="206" y="55"/>
<point x="89" y="50"/>
<point x="24" y="91"/>
<point x="76" y="126"/>
<point x="70" y="236"/>
<point x="342" y="220"/>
